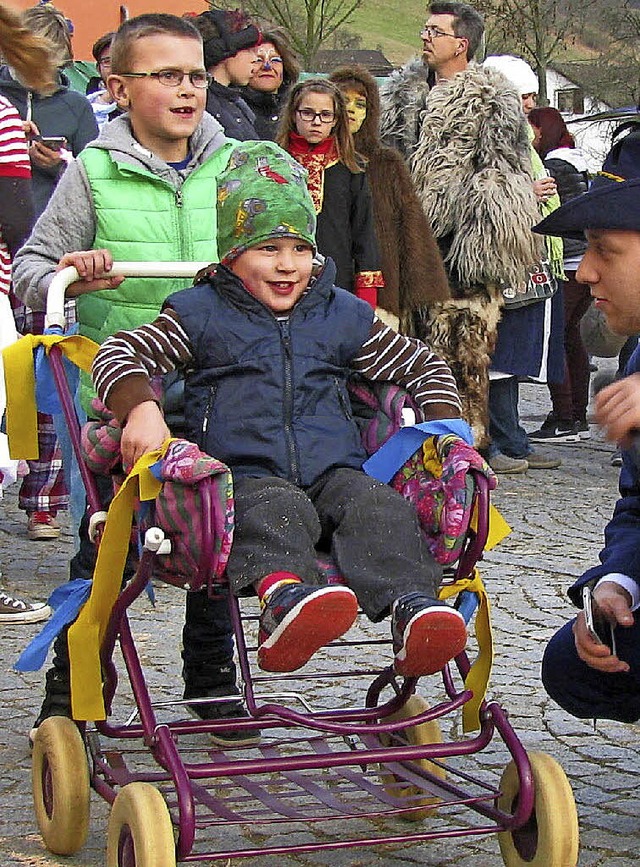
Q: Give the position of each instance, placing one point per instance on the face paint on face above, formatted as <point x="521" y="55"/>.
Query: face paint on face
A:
<point x="356" y="109"/>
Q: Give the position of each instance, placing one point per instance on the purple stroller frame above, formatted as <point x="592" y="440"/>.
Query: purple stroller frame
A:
<point x="353" y="764"/>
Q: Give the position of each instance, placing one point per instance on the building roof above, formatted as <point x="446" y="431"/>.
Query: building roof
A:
<point x="616" y="86"/>
<point x="374" y="61"/>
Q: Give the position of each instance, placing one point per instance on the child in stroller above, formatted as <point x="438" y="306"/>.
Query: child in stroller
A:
<point x="267" y="343"/>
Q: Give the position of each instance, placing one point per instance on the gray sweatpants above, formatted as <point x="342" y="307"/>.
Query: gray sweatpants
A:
<point x="371" y="531"/>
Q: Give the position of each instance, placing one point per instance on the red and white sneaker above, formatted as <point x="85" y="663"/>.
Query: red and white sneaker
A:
<point x="426" y="634"/>
<point x="297" y="620"/>
<point x="42" y="525"/>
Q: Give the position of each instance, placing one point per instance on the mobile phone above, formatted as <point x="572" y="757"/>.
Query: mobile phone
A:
<point x="598" y="627"/>
<point x="54" y="142"/>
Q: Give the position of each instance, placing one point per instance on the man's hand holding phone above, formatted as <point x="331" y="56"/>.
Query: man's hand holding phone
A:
<point x="45" y="151"/>
<point x="603" y="609"/>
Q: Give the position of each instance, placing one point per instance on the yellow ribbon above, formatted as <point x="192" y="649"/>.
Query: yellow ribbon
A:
<point x="87" y="633"/>
<point x="22" y="419"/>
<point x="477" y="679"/>
<point x="498" y="527"/>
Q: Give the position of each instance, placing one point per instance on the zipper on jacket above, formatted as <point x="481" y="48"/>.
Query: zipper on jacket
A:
<point x="344" y="403"/>
<point x="285" y="338"/>
<point x="207" y="409"/>
<point x="178" y="197"/>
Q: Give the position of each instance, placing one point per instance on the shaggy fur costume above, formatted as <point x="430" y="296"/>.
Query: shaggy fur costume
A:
<point x="472" y="171"/>
<point x="412" y="266"/>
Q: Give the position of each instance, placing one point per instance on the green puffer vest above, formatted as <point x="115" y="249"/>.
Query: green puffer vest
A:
<point x="141" y="217"/>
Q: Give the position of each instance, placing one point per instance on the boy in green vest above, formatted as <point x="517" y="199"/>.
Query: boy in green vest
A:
<point x="144" y="190"/>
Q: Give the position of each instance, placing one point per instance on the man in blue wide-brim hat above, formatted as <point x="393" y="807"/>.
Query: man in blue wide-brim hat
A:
<point x="595" y="672"/>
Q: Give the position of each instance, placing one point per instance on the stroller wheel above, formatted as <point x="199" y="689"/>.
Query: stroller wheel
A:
<point x="140" y="832"/>
<point x="425" y="733"/>
<point x="60" y="781"/>
<point x="550" y="836"/>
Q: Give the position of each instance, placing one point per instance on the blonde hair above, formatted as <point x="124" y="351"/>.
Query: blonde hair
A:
<point x="31" y="56"/>
<point x="51" y="24"/>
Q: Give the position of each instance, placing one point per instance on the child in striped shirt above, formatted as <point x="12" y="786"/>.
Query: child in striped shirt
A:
<point x="267" y="347"/>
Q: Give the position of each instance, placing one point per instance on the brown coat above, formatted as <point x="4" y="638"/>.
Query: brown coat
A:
<point x="414" y="275"/>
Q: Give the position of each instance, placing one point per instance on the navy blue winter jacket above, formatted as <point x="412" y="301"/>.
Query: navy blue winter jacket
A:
<point x="268" y="396"/>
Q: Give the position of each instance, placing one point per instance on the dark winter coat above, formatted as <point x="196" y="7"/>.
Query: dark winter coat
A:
<point x="412" y="266"/>
<point x="569" y="169"/>
<point x="231" y="111"/>
<point x="267" y="108"/>
<point x="268" y="396"/>
<point x="65" y="112"/>
<point x="345" y="224"/>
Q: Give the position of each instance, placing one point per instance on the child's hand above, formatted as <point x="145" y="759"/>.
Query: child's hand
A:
<point x="618" y="409"/>
<point x="93" y="266"/>
<point x="144" y="431"/>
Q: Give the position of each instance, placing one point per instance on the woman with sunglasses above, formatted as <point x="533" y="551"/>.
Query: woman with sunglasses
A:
<point x="314" y="129"/>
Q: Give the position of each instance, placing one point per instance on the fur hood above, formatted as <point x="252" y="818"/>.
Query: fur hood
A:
<point x="367" y="139"/>
<point x="472" y="172"/>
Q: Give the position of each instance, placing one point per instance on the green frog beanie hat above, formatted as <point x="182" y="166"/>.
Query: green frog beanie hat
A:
<point x="262" y="194"/>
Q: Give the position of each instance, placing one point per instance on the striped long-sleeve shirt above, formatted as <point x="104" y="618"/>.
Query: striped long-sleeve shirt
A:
<point x="16" y="206"/>
<point x="126" y="361"/>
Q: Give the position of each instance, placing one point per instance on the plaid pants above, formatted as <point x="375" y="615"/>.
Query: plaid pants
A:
<point x="44" y="489"/>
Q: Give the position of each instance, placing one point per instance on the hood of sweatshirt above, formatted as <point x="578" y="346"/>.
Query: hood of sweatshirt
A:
<point x="117" y="137"/>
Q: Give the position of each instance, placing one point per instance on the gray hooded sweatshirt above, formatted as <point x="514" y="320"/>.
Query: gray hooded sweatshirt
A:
<point x="69" y="222"/>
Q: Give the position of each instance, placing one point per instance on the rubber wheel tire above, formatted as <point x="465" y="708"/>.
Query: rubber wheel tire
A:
<point x="140" y="831"/>
<point x="550" y="837"/>
<point x="416" y="735"/>
<point x="60" y="784"/>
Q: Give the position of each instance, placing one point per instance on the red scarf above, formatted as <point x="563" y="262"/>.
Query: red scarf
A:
<point x="315" y="158"/>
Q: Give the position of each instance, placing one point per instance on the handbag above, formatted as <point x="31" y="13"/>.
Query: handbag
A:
<point x="539" y="285"/>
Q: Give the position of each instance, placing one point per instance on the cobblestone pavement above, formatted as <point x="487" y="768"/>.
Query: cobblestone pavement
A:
<point x="557" y="518"/>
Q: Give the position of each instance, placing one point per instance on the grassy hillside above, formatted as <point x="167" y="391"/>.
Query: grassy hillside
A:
<point x="396" y="30"/>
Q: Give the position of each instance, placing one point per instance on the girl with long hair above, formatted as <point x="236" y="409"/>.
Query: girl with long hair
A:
<point x="314" y="129"/>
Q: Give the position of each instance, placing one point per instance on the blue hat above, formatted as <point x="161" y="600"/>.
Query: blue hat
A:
<point x="613" y="199"/>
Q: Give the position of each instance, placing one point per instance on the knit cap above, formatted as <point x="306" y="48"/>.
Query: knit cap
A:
<point x="224" y="33"/>
<point x="516" y="71"/>
<point x="262" y="193"/>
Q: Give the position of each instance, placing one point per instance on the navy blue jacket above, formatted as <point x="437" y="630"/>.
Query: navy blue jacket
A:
<point x="268" y="396"/>
<point x="231" y="111"/>
<point x="621" y="552"/>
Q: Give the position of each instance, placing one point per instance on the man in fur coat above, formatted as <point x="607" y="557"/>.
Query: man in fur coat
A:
<point x="464" y="133"/>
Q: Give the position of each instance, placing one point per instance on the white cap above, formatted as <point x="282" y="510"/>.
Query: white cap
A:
<point x="516" y="71"/>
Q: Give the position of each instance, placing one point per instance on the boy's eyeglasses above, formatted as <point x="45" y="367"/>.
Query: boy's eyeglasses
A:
<point x="104" y="61"/>
<point x="428" y="32"/>
<point x="173" y="77"/>
<point x="310" y="115"/>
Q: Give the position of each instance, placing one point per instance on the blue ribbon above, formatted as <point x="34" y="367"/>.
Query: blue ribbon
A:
<point x="402" y="445"/>
<point x="66" y="600"/>
<point x="47" y="399"/>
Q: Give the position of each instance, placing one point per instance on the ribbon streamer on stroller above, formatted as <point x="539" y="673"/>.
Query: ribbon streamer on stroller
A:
<point x="22" y="420"/>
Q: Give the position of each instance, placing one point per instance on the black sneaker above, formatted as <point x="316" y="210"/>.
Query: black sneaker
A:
<point x="582" y="429"/>
<point x="297" y="620"/>
<point x="227" y="710"/>
<point x="426" y="634"/>
<point x="555" y="430"/>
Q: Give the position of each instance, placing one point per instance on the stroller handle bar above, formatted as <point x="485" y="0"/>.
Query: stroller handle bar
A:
<point x="62" y="279"/>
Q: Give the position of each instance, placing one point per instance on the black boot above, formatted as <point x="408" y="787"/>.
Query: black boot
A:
<point x="209" y="670"/>
<point x="57" y="695"/>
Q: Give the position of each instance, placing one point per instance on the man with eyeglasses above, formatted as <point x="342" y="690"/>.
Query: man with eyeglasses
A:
<point x="230" y="56"/>
<point x="462" y="129"/>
